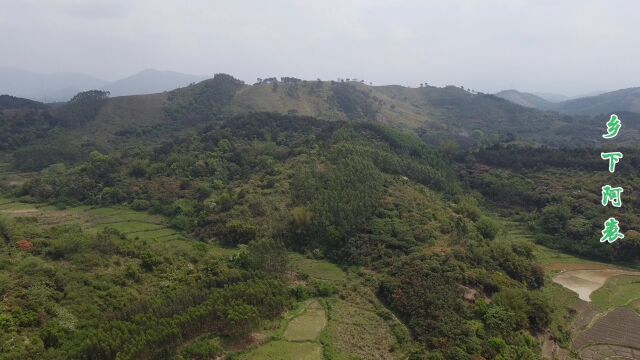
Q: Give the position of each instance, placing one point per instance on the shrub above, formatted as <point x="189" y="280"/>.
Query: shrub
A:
<point x="487" y="228"/>
<point x="239" y="232"/>
<point x="140" y="205"/>
<point x="203" y="349"/>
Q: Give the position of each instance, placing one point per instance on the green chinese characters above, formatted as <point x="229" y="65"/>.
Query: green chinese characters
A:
<point x="611" y="231"/>
<point x="613" y="157"/>
<point x="613" y="126"/>
<point x="612" y="195"/>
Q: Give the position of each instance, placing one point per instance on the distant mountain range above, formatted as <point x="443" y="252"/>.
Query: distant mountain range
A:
<point x="624" y="100"/>
<point x="58" y="87"/>
<point x="151" y="81"/>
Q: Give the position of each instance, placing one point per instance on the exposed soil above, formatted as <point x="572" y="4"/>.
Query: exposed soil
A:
<point x="551" y="349"/>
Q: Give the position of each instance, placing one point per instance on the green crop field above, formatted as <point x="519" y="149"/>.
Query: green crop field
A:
<point x="318" y="269"/>
<point x="286" y="350"/>
<point x="308" y="325"/>
<point x="618" y="291"/>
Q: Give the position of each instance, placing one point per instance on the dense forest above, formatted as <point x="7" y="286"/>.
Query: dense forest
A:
<point x="557" y="191"/>
<point x="353" y="193"/>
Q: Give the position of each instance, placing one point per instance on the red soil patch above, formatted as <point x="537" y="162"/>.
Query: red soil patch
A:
<point x="24" y="245"/>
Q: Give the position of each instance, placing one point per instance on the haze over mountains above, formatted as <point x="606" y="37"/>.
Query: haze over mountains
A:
<point x="62" y="86"/>
<point x="623" y="100"/>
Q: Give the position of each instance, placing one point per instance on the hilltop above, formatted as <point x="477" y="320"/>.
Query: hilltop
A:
<point x="525" y="99"/>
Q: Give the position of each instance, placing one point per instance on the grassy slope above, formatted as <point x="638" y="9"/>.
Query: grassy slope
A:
<point x="619" y="291"/>
<point x="125" y="113"/>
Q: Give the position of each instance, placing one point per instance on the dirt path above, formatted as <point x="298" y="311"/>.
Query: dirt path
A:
<point x="585" y="282"/>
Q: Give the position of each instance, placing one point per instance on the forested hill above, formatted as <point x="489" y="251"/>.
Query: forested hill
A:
<point x="12" y="102"/>
<point x="376" y="179"/>
<point x="440" y="116"/>
<point x="357" y="194"/>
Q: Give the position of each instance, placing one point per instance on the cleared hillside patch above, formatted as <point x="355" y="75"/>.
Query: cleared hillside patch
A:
<point x="317" y="269"/>
<point x="286" y="350"/>
<point x="307" y="327"/>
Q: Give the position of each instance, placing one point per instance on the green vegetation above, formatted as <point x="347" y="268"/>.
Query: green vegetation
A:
<point x="171" y="233"/>
<point x="559" y="191"/>
<point x="619" y="291"/>
<point x="285" y="350"/>
<point x="308" y="325"/>
<point x="75" y="293"/>
<point x="356" y="194"/>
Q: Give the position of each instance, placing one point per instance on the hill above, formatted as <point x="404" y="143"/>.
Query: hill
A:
<point x="237" y="176"/>
<point x="250" y="188"/>
<point x="554" y="98"/>
<point x="525" y="99"/>
<point x="12" y="102"/>
<point x="611" y="102"/>
<point x="439" y="116"/>
<point x="150" y="81"/>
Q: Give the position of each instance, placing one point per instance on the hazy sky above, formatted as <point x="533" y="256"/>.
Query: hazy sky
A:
<point x="563" y="46"/>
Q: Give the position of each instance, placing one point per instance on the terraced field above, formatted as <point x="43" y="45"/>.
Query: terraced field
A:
<point x="597" y="305"/>
<point x="129" y="222"/>
<point x="609" y="352"/>
<point x="140" y="226"/>
<point x="300" y="338"/>
<point x="307" y="327"/>
<point x="349" y="325"/>
<point x="614" y="335"/>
